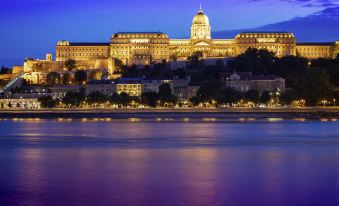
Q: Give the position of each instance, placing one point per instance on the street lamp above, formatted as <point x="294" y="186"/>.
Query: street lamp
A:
<point x="324" y="102"/>
<point x="334" y="101"/>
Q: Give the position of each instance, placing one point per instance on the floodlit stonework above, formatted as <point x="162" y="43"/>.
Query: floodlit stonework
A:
<point x="142" y="48"/>
<point x="147" y="47"/>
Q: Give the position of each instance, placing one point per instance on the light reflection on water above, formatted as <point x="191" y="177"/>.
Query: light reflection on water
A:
<point x="169" y="162"/>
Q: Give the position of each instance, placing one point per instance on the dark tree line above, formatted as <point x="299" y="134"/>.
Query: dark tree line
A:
<point x="76" y="99"/>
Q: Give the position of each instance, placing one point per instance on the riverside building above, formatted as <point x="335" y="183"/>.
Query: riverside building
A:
<point x="147" y="47"/>
<point x="142" y="48"/>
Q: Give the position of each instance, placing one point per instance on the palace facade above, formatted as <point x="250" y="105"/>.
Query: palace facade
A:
<point x="147" y="47"/>
<point x="142" y="48"/>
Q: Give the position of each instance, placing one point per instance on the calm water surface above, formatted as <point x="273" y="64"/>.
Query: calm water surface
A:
<point x="51" y="162"/>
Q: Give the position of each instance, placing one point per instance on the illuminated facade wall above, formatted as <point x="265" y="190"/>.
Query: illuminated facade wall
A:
<point x="315" y="50"/>
<point x="336" y="50"/>
<point x="281" y="43"/>
<point x="140" y="48"/>
<point x="81" y="51"/>
<point x="147" y="47"/>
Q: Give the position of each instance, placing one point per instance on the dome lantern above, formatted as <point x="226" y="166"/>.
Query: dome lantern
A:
<point x="200" y="26"/>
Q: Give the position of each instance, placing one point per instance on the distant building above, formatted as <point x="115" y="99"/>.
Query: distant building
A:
<point x="22" y="103"/>
<point x="130" y="86"/>
<point x="35" y="92"/>
<point x="143" y="48"/>
<point x="105" y="87"/>
<point x="152" y="85"/>
<point x="245" y="81"/>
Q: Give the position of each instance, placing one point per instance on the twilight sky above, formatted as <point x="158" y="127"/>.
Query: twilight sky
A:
<point x="30" y="28"/>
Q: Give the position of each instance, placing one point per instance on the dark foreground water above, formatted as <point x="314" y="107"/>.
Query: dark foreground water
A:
<point x="166" y="162"/>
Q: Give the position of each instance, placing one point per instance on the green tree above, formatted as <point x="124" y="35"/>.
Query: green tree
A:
<point x="165" y="94"/>
<point x="253" y="96"/>
<point x="66" y="78"/>
<point x="96" y="98"/>
<point x="211" y="90"/>
<point x="195" y="101"/>
<point x="331" y="66"/>
<point x="150" y="99"/>
<point x="52" y="78"/>
<point x="287" y="97"/>
<point x="95" y="75"/>
<point x="48" y="102"/>
<point x="80" y="76"/>
<point x="229" y="96"/>
<point x="265" y="97"/>
<point x="70" y="64"/>
<point x="125" y="99"/>
<point x="314" y="87"/>
<point x="257" y="61"/>
<point x="121" y="99"/>
<point x="115" y="99"/>
<point x="73" y="99"/>
<point x="291" y="68"/>
<point x="195" y="60"/>
<point x="5" y="70"/>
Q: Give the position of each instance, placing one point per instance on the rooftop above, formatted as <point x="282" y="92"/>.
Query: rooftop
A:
<point x="100" y="82"/>
<point x="247" y="76"/>
<point x="140" y="32"/>
<point x="265" y="32"/>
<point x="88" y="44"/>
<point x="316" y="43"/>
<point x="129" y="80"/>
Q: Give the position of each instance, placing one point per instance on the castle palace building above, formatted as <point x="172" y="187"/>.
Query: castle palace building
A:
<point x="147" y="47"/>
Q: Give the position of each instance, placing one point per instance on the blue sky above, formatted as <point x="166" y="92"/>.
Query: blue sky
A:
<point x="30" y="28"/>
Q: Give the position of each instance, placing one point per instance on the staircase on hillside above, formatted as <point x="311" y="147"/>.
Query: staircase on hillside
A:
<point x="16" y="82"/>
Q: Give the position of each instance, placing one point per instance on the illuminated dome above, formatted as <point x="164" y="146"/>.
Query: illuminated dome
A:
<point x="201" y="18"/>
<point x="63" y="43"/>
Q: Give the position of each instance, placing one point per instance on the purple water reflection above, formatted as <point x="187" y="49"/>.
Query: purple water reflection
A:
<point x="48" y="162"/>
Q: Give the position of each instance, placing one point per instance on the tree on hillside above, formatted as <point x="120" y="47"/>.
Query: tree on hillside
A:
<point x="165" y="94"/>
<point x="287" y="97"/>
<point x="5" y="70"/>
<point x="121" y="99"/>
<point x="265" y="97"/>
<point x="52" y="78"/>
<point x="66" y="79"/>
<point x="331" y="66"/>
<point x="74" y="99"/>
<point x="95" y="75"/>
<point x="80" y="76"/>
<point x="314" y="87"/>
<point x="195" y="60"/>
<point x="210" y="90"/>
<point x="252" y="96"/>
<point x="257" y="61"/>
<point x="48" y="102"/>
<point x="291" y="68"/>
<point x="230" y="96"/>
<point x="96" y="98"/>
<point x="150" y="99"/>
<point x="70" y="64"/>
<point x="125" y="99"/>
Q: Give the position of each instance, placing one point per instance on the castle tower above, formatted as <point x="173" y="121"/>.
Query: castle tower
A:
<point x="201" y="28"/>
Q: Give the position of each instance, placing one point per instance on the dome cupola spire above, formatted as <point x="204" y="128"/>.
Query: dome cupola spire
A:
<point x="201" y="28"/>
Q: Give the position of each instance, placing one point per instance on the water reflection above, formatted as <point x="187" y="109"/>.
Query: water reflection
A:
<point x="169" y="162"/>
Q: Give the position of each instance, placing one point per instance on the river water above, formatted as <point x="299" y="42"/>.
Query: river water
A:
<point x="169" y="162"/>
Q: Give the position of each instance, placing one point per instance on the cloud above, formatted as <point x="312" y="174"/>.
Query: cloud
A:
<point x="318" y="27"/>
<point x="310" y="3"/>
